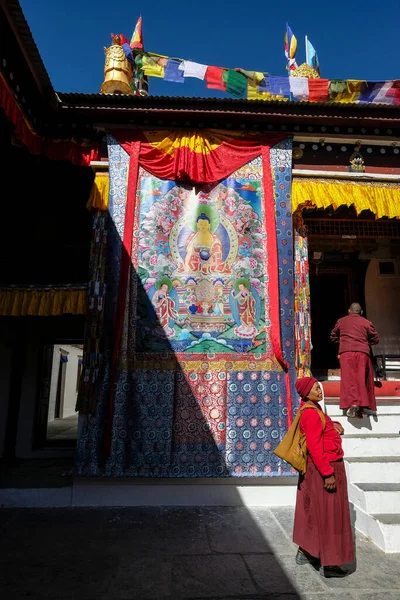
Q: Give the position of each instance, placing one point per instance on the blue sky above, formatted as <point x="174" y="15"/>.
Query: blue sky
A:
<point x="354" y="40"/>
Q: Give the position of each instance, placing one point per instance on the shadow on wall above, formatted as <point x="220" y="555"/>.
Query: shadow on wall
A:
<point x="172" y="414"/>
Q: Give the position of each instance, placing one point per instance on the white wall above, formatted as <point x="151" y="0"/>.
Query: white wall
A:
<point x="70" y="391"/>
<point x="53" y="382"/>
<point x="69" y="388"/>
<point x="382" y="298"/>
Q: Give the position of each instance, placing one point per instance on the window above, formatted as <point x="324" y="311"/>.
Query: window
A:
<point x="387" y="268"/>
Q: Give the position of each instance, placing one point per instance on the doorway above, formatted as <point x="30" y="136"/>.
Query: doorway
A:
<point x="61" y="371"/>
<point x="330" y="299"/>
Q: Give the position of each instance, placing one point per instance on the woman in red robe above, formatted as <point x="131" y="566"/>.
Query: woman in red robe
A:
<point x="322" y="526"/>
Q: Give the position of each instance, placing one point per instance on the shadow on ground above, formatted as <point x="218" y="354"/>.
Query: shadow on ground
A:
<point x="159" y="553"/>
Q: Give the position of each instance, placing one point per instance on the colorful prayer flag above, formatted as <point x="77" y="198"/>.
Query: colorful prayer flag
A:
<point x="394" y="92"/>
<point x="129" y="54"/>
<point x="312" y="56"/>
<point x="214" y="79"/>
<point x="173" y="72"/>
<point x="137" y="36"/>
<point x="235" y="83"/>
<point x="336" y="88"/>
<point x="123" y="39"/>
<point x="382" y="97"/>
<point x="279" y="86"/>
<point x="290" y="45"/>
<point x="299" y="87"/>
<point x="318" y="90"/>
<point x="346" y="91"/>
<point x="261" y="86"/>
<point x="370" y="92"/>
<point x="193" y="69"/>
<point x="151" y="66"/>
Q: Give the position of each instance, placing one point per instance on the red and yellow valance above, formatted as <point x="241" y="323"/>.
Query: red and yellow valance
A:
<point x="197" y="156"/>
<point x="79" y="153"/>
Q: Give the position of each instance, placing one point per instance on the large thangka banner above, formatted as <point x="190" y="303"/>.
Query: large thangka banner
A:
<point x="197" y="390"/>
<point x="201" y="263"/>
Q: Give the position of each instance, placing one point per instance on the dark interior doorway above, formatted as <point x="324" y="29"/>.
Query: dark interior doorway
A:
<point x="330" y="299"/>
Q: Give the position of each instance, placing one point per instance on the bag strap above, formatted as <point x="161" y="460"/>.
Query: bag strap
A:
<point x="320" y="412"/>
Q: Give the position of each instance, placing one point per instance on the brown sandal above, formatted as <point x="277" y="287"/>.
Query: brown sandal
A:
<point x="352" y="412"/>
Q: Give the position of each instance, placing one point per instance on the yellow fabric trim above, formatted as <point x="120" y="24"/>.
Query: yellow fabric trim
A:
<point x="169" y="141"/>
<point x="200" y="141"/>
<point x="383" y="201"/>
<point x="98" y="198"/>
<point x="199" y="366"/>
<point x="41" y="302"/>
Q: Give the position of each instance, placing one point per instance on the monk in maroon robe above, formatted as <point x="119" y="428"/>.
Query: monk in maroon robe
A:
<point x="322" y="526"/>
<point x="355" y="336"/>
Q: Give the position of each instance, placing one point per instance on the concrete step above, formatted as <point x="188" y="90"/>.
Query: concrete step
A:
<point x="387" y="388"/>
<point x="385" y="469"/>
<point x="379" y="399"/>
<point x="375" y="444"/>
<point x="376" y="497"/>
<point x="381" y="423"/>
<point x="387" y="407"/>
<point x="382" y="529"/>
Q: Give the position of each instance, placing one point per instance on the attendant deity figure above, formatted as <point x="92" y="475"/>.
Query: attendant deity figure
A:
<point x="204" y="249"/>
<point x="165" y="309"/>
<point x="243" y="306"/>
<point x="219" y="300"/>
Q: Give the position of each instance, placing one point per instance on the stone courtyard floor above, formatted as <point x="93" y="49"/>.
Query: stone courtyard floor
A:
<point x="172" y="553"/>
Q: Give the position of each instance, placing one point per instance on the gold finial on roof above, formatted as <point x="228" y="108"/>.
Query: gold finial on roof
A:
<point x="117" y="71"/>
<point x="305" y="70"/>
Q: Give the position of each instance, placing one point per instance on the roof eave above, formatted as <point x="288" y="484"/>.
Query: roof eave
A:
<point x="29" y="49"/>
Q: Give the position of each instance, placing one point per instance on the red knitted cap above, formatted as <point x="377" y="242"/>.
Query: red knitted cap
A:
<point x="304" y="385"/>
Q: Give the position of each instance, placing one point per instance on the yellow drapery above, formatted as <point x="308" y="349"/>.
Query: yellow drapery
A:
<point x="383" y="200"/>
<point x="98" y="198"/>
<point x="36" y="302"/>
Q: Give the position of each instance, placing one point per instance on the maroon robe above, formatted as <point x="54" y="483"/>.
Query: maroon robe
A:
<point x="322" y="525"/>
<point x="355" y="336"/>
<point x="356" y="381"/>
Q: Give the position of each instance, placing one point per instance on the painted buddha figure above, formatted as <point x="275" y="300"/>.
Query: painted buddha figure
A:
<point x="204" y="249"/>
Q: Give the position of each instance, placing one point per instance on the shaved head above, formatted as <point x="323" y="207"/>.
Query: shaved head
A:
<point x="355" y="308"/>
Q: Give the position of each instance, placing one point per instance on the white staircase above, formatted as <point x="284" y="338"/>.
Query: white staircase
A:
<point x="372" y="456"/>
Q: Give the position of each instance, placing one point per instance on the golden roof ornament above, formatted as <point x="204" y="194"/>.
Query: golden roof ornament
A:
<point x="305" y="70"/>
<point x="117" y="70"/>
